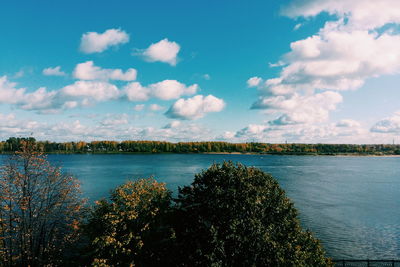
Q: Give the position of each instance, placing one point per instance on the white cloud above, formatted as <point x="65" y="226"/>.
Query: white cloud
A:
<point x="80" y="93"/>
<point x="336" y="60"/>
<point x="254" y="81"/>
<point x="115" y="120"/>
<point x="306" y="133"/>
<point x="91" y="90"/>
<point x="171" y="89"/>
<point x="36" y="100"/>
<point x="93" y="42"/>
<point x="280" y="63"/>
<point x="388" y="125"/>
<point x="341" y="56"/>
<point x="226" y="136"/>
<point x="88" y="71"/>
<point x="10" y="125"/>
<point x="172" y="124"/>
<point x="163" y="51"/>
<point x="164" y="90"/>
<point x="40" y="99"/>
<point x="195" y="107"/>
<point x="207" y="76"/>
<point x="297" y="109"/>
<point x="155" y="107"/>
<point x="56" y="71"/>
<point x="361" y="14"/>
<point x="110" y="129"/>
<point x="136" y="92"/>
<point x="347" y="123"/>
<point x="9" y="94"/>
<point x="139" y="107"/>
<point x="251" y="131"/>
<point x="70" y="104"/>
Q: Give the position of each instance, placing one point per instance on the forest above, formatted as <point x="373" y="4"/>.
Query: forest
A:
<point x="13" y="144"/>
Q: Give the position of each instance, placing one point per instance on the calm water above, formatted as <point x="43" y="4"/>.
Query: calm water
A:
<point x="352" y="204"/>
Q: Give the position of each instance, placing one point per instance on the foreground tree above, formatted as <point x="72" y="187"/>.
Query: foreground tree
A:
<point x="40" y="210"/>
<point x="131" y="229"/>
<point x="232" y="215"/>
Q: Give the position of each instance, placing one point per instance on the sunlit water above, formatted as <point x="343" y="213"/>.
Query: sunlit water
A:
<point x="352" y="204"/>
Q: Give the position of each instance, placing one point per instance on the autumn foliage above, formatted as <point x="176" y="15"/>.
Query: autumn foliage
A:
<point x="130" y="229"/>
<point x="40" y="210"/>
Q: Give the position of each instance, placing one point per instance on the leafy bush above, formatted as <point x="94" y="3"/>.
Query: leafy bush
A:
<point x="232" y="215"/>
<point x="130" y="229"/>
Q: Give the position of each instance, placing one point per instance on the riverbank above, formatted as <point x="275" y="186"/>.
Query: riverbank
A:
<point x="218" y="153"/>
<point x="202" y="147"/>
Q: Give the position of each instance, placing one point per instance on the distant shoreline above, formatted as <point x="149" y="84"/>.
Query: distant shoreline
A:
<point x="201" y="147"/>
<point x="218" y="153"/>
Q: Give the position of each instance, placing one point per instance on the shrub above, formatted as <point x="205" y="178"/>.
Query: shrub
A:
<point x="233" y="215"/>
<point x="130" y="229"/>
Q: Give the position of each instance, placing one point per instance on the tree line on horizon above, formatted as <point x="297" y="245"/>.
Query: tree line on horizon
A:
<point x="13" y="144"/>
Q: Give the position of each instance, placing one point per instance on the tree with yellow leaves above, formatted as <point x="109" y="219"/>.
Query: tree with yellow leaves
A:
<point x="40" y="210"/>
<point x="131" y="228"/>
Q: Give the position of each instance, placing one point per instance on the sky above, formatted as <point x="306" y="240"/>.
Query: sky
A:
<point x="296" y="71"/>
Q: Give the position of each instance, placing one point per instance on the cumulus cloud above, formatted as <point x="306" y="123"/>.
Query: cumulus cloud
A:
<point x="40" y="99"/>
<point x="251" y="131"/>
<point x="10" y="125"/>
<point x="172" y="124"/>
<point x="163" y="51"/>
<point x="195" y="107"/>
<point x="115" y="119"/>
<point x="93" y="42"/>
<point x="85" y="93"/>
<point x="164" y="90"/>
<point x="91" y="90"/>
<point x="155" y="107"/>
<point x="297" y="109"/>
<point x="342" y="55"/>
<point x="56" y="71"/>
<point x="9" y="94"/>
<point x="303" y="133"/>
<point x="226" y="136"/>
<point x="254" y="81"/>
<point x="88" y="71"/>
<point x="347" y="123"/>
<point x="336" y="59"/>
<point x="80" y="93"/>
<point x="136" y="92"/>
<point x="388" y="125"/>
<point x="361" y="14"/>
<point x="171" y="89"/>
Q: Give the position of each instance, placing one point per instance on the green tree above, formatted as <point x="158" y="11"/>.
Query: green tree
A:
<point x="131" y="229"/>
<point x="233" y="215"/>
<point x="40" y="210"/>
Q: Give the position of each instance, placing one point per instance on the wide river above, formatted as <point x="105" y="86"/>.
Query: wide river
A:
<point x="352" y="204"/>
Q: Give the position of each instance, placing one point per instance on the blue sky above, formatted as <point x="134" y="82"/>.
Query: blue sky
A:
<point x="304" y="71"/>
